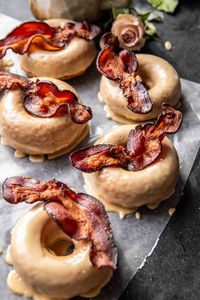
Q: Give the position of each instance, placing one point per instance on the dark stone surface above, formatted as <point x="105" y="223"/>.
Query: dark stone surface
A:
<point x="173" y="270"/>
<point x="183" y="30"/>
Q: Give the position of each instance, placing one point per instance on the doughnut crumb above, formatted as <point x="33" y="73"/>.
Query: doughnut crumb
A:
<point x="171" y="211"/>
<point x="37" y="158"/>
<point x="168" y="46"/>
<point x="19" y="154"/>
<point x="138" y="215"/>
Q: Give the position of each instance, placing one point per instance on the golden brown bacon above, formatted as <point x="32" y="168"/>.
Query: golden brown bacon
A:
<point x="122" y="68"/>
<point x="79" y="215"/>
<point x="9" y="81"/>
<point x="30" y="34"/>
<point x="44" y="99"/>
<point x="143" y="146"/>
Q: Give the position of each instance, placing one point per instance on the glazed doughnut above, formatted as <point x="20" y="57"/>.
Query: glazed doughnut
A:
<point x="34" y="258"/>
<point x="130" y="165"/>
<point x="34" y="135"/>
<point x="161" y="80"/>
<point x="123" y="191"/>
<point x="69" y="62"/>
<point x="62" y="249"/>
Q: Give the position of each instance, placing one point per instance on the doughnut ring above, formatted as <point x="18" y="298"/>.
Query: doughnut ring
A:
<point x="162" y="82"/>
<point x="37" y="252"/>
<point x="33" y="135"/>
<point x="69" y="62"/>
<point x="124" y="191"/>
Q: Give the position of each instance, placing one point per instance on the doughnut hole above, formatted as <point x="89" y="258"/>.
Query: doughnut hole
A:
<point x="55" y="241"/>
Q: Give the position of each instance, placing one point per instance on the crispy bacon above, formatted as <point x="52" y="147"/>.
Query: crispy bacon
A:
<point x="26" y="36"/>
<point x="86" y="31"/>
<point x="9" y="81"/>
<point x="97" y="157"/>
<point x="122" y="68"/>
<point x="108" y="40"/>
<point x="144" y="145"/>
<point x="80" y="216"/>
<point x="44" y="99"/>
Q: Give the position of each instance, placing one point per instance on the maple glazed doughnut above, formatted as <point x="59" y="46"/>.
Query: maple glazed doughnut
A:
<point x="34" y="134"/>
<point x="161" y="83"/>
<point x="131" y="166"/>
<point x="55" y="48"/>
<point x="47" y="261"/>
<point x="123" y="191"/>
<point x="70" y="62"/>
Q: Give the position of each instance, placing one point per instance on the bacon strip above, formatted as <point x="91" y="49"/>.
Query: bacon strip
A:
<point x="108" y="40"/>
<point x="143" y="146"/>
<point x="80" y="216"/>
<point x="95" y="158"/>
<point x="44" y="99"/>
<point x="26" y="36"/>
<point x="9" y="81"/>
<point x="122" y="68"/>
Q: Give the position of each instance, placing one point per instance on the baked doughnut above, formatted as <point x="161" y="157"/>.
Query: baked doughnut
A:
<point x="161" y="84"/>
<point x="34" y="134"/>
<point x="62" y="50"/>
<point x="58" y="261"/>
<point x="124" y="179"/>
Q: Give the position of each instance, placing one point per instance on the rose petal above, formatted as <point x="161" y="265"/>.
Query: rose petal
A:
<point x="79" y="215"/>
<point x="129" y="30"/>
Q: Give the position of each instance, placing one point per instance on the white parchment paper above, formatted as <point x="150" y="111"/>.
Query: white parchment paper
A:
<point x="135" y="239"/>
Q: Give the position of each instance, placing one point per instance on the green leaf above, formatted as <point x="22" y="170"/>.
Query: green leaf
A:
<point x="165" y="5"/>
<point x="115" y="13"/>
<point x="126" y="10"/>
<point x="155" y="15"/>
<point x="155" y="3"/>
<point x="143" y="16"/>
<point x="150" y="29"/>
<point x="120" y="11"/>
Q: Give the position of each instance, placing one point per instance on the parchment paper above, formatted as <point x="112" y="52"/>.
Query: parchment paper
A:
<point x="135" y="239"/>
